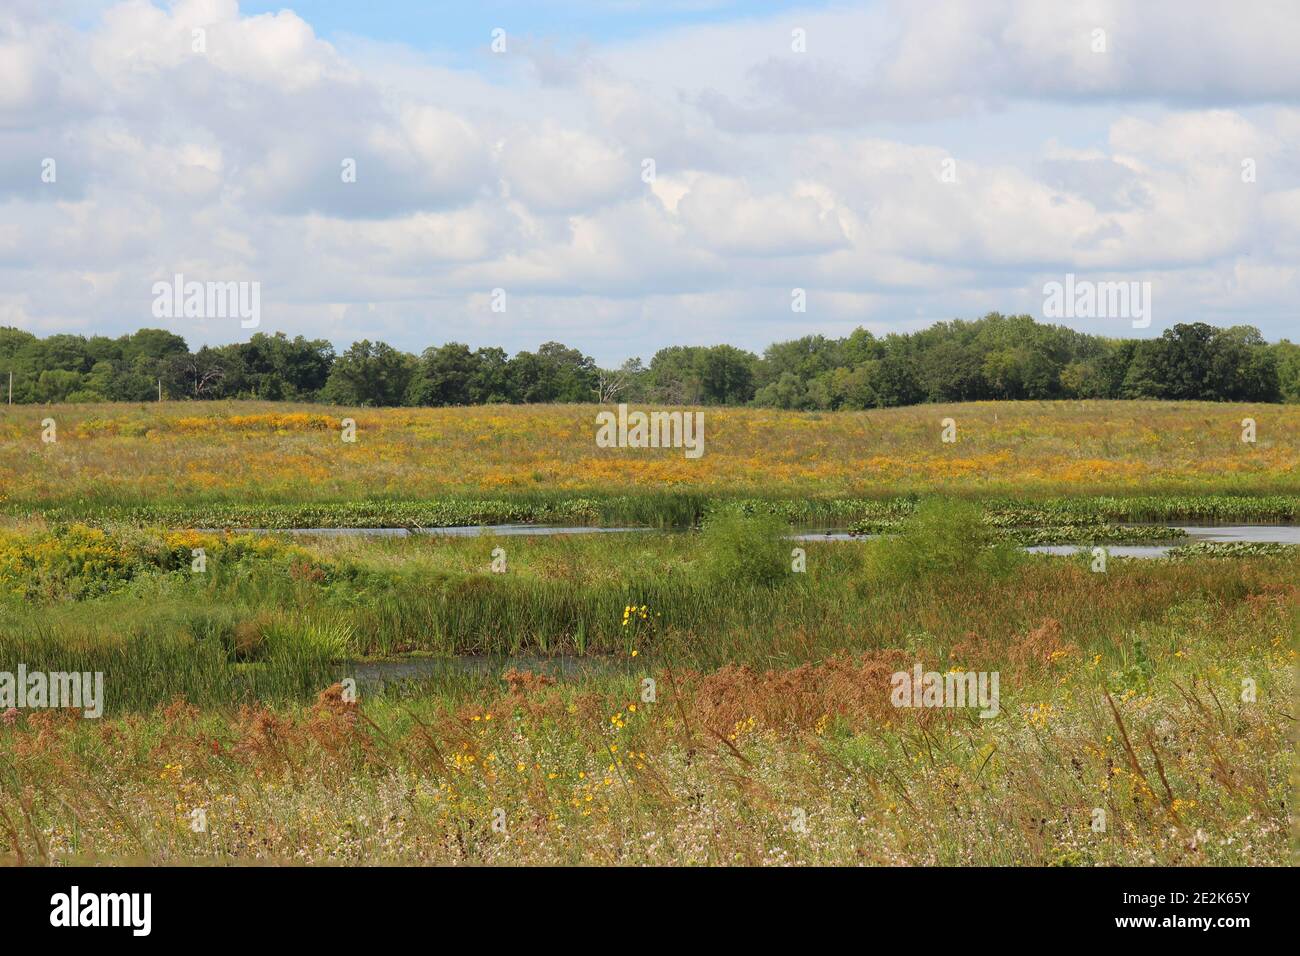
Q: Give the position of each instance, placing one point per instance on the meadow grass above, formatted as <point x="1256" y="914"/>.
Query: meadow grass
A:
<point x="272" y="618"/>
<point x="770" y="736"/>
<point x="528" y="462"/>
<point x="736" y="765"/>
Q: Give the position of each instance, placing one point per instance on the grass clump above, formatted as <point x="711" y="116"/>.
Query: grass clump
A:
<point x="943" y="538"/>
<point x="745" y="549"/>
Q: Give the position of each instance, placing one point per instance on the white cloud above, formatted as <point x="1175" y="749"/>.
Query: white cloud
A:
<point x="552" y="169"/>
<point x="775" y="169"/>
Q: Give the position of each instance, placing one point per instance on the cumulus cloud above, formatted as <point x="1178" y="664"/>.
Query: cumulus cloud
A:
<point x="929" y="58"/>
<point x="382" y="191"/>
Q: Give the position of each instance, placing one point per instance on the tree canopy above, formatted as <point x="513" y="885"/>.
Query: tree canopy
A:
<point x="996" y="357"/>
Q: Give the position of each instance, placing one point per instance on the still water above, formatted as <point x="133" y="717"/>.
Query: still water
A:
<point x="1257" y="533"/>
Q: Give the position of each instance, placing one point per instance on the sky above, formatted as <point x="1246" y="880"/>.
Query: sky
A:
<point x="625" y="176"/>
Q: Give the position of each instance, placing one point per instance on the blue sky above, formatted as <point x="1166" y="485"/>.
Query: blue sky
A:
<point x="901" y="163"/>
<point x="438" y="25"/>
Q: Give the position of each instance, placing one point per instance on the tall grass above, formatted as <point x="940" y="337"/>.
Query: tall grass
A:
<point x="277" y="625"/>
<point x="943" y="538"/>
<point x="745" y="549"/>
<point x="714" y="770"/>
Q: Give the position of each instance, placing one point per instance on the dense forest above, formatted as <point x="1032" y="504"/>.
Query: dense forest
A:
<point x="996" y="357"/>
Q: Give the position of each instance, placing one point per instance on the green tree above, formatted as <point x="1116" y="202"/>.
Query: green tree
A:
<point x="369" y="374"/>
<point x="786" y="392"/>
<point x="277" y="367"/>
<point x="444" y="376"/>
<point x="1286" y="355"/>
<point x="674" y="376"/>
<point x="726" y="375"/>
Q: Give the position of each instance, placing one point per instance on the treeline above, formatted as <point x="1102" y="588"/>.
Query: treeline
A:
<point x="996" y="357"/>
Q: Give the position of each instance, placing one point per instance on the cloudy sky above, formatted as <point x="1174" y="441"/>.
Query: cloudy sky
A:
<point x="902" y="162"/>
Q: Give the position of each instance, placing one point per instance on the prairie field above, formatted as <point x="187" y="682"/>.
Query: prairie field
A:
<point x="249" y="452"/>
<point x="703" y="690"/>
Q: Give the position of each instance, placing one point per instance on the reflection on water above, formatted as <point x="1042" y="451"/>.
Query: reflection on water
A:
<point x="1114" y="550"/>
<point x="1222" y="534"/>
<point x="1260" y="533"/>
<point x="831" y="536"/>
<point x="1250" y="533"/>
<point x="1217" y="534"/>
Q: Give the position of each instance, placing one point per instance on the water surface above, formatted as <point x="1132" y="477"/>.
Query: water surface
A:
<point x="1248" y="533"/>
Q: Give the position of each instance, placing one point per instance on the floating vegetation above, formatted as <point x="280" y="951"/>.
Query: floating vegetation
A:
<point x="1232" y="549"/>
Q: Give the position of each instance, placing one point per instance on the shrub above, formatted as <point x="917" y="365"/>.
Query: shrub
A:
<point x="942" y="538"/>
<point x="745" y="549"/>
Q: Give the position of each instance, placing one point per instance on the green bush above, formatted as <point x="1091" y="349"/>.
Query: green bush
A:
<point x="745" y="549"/>
<point x="943" y="538"/>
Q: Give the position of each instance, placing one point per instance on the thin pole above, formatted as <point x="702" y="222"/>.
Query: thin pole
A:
<point x="160" y="389"/>
<point x="11" y="387"/>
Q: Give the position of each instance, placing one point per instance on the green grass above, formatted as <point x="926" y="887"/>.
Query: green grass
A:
<point x="771" y="701"/>
<point x="715" y="769"/>
<point x="276" y="620"/>
<point x="1071" y="517"/>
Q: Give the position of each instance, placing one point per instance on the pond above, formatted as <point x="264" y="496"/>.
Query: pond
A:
<point x="1219" y="534"/>
<point x="1223" y="534"/>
